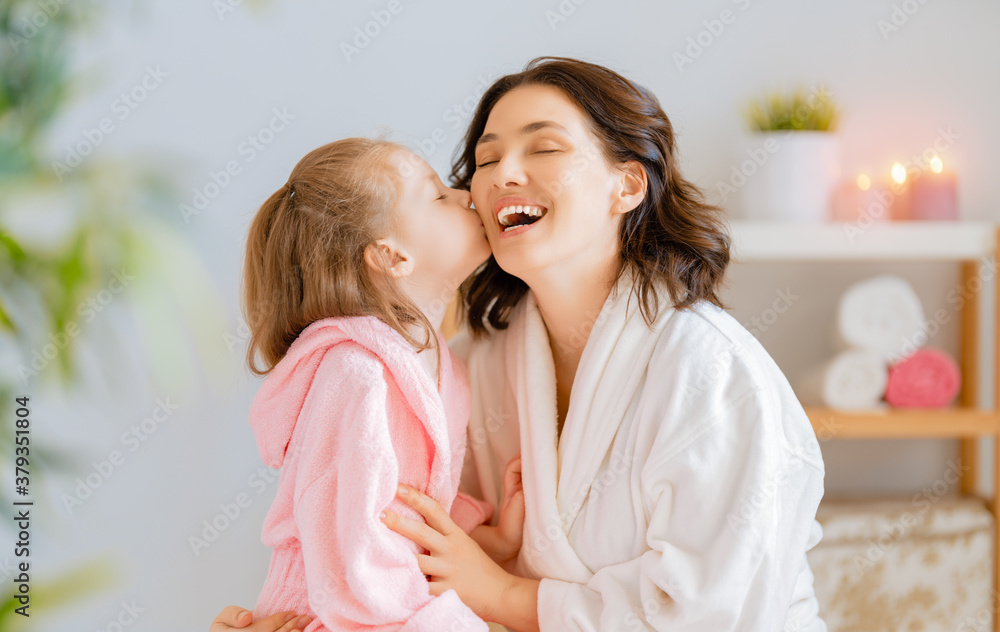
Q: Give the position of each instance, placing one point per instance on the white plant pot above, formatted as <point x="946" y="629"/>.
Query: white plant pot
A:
<point x="795" y="179"/>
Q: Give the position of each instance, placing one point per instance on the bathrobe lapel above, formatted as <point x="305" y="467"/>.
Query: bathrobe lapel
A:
<point x="561" y="471"/>
<point x="546" y="551"/>
<point x="611" y="373"/>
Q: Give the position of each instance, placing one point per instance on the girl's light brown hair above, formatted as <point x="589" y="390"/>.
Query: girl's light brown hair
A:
<point x="305" y="254"/>
<point x="672" y="240"/>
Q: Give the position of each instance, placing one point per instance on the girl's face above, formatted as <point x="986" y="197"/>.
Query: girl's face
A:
<point x="440" y="231"/>
<point x="542" y="186"/>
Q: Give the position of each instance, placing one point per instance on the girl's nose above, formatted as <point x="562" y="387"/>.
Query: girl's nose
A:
<point x="461" y="197"/>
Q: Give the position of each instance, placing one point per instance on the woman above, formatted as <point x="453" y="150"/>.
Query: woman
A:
<point x="670" y="476"/>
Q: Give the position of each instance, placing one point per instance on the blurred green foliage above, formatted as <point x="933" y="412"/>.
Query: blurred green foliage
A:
<point x="107" y="216"/>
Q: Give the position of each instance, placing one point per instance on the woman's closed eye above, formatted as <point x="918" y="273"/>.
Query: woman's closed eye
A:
<point x="487" y="163"/>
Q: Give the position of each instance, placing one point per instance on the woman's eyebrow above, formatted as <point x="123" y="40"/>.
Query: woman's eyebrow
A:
<point x="527" y="129"/>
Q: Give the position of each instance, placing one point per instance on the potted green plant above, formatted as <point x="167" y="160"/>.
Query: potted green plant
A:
<point x="795" y="156"/>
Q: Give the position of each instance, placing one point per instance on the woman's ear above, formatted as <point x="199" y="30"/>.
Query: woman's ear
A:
<point x="632" y="190"/>
<point x="386" y="255"/>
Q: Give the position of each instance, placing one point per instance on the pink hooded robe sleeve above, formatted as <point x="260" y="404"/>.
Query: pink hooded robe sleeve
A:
<point x="356" y="416"/>
<point x="468" y="512"/>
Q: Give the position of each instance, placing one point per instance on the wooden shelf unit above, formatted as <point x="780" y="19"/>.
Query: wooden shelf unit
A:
<point x="971" y="244"/>
<point x="950" y="423"/>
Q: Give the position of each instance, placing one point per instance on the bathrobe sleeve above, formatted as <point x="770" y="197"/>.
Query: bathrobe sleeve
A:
<point x="730" y="506"/>
<point x="468" y="512"/>
<point x="360" y="575"/>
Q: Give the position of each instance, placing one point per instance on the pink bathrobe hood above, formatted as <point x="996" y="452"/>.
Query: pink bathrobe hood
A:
<point x="278" y="403"/>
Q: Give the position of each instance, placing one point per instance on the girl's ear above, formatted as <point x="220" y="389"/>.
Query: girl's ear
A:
<point x="386" y="255"/>
<point x="632" y="190"/>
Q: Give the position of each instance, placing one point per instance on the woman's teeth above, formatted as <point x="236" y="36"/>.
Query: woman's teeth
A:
<point x="514" y="216"/>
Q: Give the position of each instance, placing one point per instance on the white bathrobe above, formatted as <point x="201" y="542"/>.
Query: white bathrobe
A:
<point x="682" y="493"/>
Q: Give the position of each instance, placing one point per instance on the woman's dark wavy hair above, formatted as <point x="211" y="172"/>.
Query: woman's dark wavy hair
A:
<point x="673" y="239"/>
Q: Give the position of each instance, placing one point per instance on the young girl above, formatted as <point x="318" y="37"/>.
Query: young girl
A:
<point x="349" y="269"/>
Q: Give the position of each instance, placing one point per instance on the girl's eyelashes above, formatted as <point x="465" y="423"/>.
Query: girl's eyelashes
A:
<point x="486" y="163"/>
<point x="443" y="196"/>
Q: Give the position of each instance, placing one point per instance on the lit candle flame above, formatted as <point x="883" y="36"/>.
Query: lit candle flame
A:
<point x="898" y="173"/>
<point x="864" y="182"/>
<point x="936" y="165"/>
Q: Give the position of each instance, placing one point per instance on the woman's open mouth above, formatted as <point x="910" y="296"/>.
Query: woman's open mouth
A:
<point x="517" y="216"/>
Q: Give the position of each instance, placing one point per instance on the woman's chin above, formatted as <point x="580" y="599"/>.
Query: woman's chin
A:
<point x="515" y="264"/>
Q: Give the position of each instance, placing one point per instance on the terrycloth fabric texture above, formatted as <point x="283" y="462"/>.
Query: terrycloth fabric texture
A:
<point x="348" y="414"/>
<point x="683" y="490"/>
<point x="854" y="379"/>
<point x="882" y="314"/>
<point x="927" y="379"/>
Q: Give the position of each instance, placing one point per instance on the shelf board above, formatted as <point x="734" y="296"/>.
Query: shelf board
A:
<point x="917" y="240"/>
<point x="902" y="424"/>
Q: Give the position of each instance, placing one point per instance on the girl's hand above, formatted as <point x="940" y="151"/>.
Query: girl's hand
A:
<point x="236" y="618"/>
<point x="510" y="525"/>
<point x="455" y="560"/>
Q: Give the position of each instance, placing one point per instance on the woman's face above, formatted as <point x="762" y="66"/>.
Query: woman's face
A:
<point x="542" y="186"/>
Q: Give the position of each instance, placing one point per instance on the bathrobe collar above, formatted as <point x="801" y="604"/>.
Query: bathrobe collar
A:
<point x="608" y="380"/>
<point x="275" y="409"/>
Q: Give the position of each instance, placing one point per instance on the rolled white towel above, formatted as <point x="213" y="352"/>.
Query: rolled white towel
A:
<point x="853" y="380"/>
<point x="882" y="314"/>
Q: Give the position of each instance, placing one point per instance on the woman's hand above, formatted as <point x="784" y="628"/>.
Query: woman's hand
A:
<point x="236" y="618"/>
<point x="455" y="560"/>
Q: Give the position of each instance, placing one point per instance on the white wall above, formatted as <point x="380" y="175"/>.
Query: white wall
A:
<point x="224" y="77"/>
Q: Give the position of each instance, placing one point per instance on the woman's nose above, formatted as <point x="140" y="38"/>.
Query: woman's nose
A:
<point x="509" y="172"/>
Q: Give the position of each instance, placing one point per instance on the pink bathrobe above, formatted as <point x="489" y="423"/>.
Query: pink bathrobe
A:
<point x="347" y="414"/>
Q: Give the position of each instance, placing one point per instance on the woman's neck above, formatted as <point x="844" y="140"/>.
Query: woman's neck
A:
<point x="570" y="301"/>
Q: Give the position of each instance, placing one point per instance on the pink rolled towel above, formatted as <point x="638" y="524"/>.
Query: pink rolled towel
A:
<point x="928" y="378"/>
